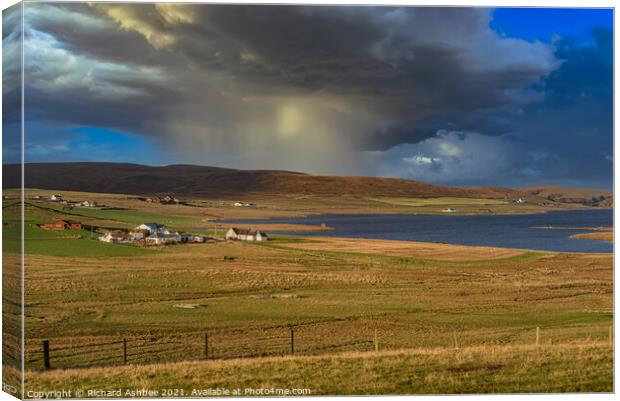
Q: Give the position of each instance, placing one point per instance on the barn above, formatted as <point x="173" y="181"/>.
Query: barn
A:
<point x="63" y="225"/>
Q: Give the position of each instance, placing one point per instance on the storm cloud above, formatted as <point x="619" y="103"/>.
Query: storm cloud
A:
<point x="324" y="89"/>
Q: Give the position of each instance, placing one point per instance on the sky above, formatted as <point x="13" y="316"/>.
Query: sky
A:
<point x="457" y="96"/>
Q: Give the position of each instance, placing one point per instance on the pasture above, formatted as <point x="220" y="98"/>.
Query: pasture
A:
<point x="571" y="367"/>
<point x="420" y="300"/>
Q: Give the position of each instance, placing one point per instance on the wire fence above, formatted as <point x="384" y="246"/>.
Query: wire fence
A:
<point x="314" y="339"/>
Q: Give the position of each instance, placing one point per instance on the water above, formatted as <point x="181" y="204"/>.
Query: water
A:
<point x="507" y="231"/>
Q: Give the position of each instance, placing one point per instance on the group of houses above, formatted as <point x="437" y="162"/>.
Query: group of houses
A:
<point x="152" y="234"/>
<point x="243" y="204"/>
<point x="165" y="199"/>
<point x="83" y="203"/>
<point x="158" y="234"/>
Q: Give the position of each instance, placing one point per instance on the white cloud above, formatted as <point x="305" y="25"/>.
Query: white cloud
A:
<point x="50" y="67"/>
<point x="451" y="157"/>
<point x="421" y="160"/>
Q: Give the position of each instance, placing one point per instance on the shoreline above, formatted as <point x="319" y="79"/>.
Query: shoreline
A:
<point x="437" y="251"/>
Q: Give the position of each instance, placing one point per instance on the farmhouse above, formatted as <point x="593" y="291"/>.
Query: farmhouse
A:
<point x="242" y="204"/>
<point x="448" y="210"/>
<point x="88" y="203"/>
<point x="56" y="198"/>
<point x="62" y="225"/>
<point x="240" y="234"/>
<point x="152" y="228"/>
<point x="159" y="238"/>
<point x="168" y="199"/>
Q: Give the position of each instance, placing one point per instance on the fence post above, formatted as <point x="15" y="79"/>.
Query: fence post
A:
<point x="206" y="346"/>
<point x="456" y="343"/>
<point x="46" y="354"/>
<point x="292" y="342"/>
<point x="125" y="351"/>
<point x="537" y="335"/>
<point x="376" y="341"/>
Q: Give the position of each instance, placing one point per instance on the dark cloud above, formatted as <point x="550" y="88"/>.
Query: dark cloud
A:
<point x="574" y="123"/>
<point x="256" y="86"/>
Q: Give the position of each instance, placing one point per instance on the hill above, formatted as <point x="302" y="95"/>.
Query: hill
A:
<point x="585" y="196"/>
<point x="201" y="181"/>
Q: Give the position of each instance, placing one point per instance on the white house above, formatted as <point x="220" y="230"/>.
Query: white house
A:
<point x="238" y="204"/>
<point x="88" y="203"/>
<point x="159" y="238"/>
<point x="153" y="228"/>
<point x="448" y="210"/>
<point x="56" y="197"/>
<point x="241" y="234"/>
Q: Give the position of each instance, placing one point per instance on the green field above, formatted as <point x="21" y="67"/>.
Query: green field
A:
<point x="77" y="243"/>
<point x="248" y="297"/>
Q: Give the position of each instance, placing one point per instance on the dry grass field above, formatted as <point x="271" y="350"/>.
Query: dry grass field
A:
<point x="599" y="235"/>
<point x="568" y="367"/>
<point x="419" y="250"/>
<point x="85" y="297"/>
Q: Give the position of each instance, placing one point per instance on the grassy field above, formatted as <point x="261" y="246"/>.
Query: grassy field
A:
<point x="417" y="299"/>
<point x="570" y="367"/>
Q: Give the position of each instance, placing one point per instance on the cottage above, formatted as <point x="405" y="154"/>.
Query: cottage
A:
<point x="448" y="210"/>
<point x="240" y="234"/>
<point x="238" y="204"/>
<point x="62" y="225"/>
<point x="88" y="203"/>
<point x="56" y="198"/>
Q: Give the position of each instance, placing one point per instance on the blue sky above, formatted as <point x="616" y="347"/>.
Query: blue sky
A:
<point x="458" y="96"/>
<point x="543" y="23"/>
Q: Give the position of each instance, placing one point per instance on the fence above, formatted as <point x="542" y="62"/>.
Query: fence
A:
<point x="313" y="339"/>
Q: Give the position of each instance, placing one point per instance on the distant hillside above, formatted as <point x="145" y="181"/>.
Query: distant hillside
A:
<point x="199" y="181"/>
<point x="586" y="196"/>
